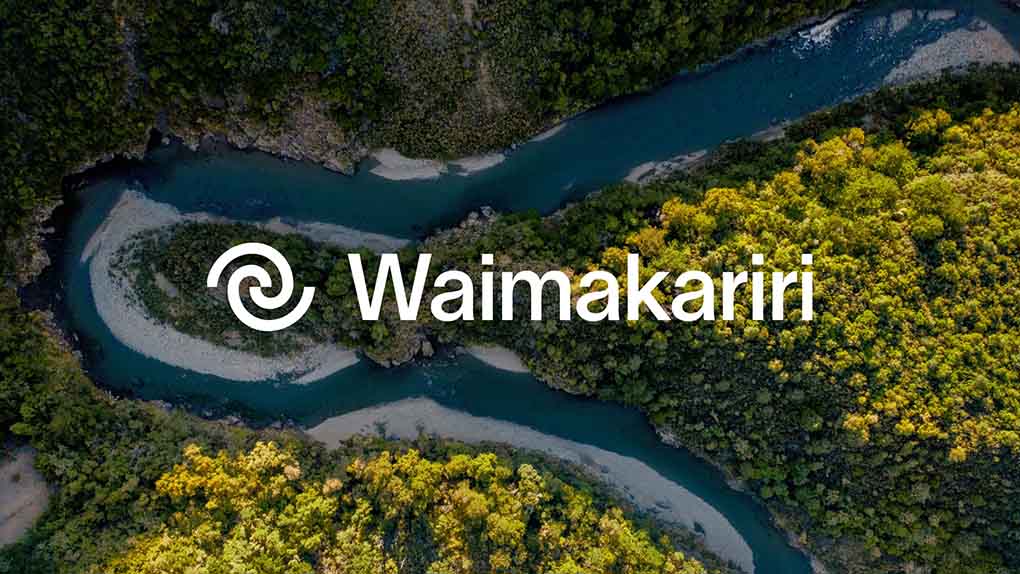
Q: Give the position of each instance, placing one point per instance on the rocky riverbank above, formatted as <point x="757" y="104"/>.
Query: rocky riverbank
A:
<point x="979" y="43"/>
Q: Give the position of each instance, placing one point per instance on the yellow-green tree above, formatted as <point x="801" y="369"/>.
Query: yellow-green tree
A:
<point x="254" y="513"/>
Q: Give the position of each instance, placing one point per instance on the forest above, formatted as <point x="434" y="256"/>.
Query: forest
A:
<point x="86" y="80"/>
<point x="139" y="488"/>
<point x="889" y="423"/>
<point x="888" y="426"/>
<point x="886" y="429"/>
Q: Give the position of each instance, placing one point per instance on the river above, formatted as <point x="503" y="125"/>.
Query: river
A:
<point x="458" y="395"/>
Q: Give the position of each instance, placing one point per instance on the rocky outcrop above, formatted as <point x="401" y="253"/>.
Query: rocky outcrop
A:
<point x="308" y="133"/>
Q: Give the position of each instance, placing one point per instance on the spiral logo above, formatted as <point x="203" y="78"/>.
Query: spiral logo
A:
<point x="264" y="282"/>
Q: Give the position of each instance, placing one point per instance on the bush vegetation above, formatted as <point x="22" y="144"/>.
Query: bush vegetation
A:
<point x="197" y="55"/>
<point x="893" y="418"/>
<point x="588" y="52"/>
<point x="66" y="101"/>
<point x="891" y="422"/>
<point x="388" y="513"/>
<point x="86" y="79"/>
<point x="140" y="489"/>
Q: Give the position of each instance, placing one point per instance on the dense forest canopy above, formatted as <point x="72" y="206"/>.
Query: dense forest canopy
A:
<point x="389" y="514"/>
<point x="198" y="54"/>
<point x="86" y="79"/>
<point x="889" y="424"/>
<point x="891" y="420"/>
<point x="141" y="489"/>
<point x="894" y="416"/>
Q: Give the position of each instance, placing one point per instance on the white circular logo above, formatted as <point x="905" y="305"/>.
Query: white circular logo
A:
<point x="264" y="282"/>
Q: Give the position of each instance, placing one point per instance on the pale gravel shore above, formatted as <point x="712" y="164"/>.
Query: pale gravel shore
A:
<point x="939" y="15"/>
<point x="900" y="19"/>
<point x="23" y="495"/>
<point x="641" y="484"/>
<point x="130" y="324"/>
<point x="498" y="357"/>
<point x="653" y="170"/>
<point x="474" y="164"/>
<point x="327" y="364"/>
<point x="639" y="172"/>
<point x="549" y="132"/>
<point x="396" y="167"/>
<point x="977" y="44"/>
<point x="337" y="235"/>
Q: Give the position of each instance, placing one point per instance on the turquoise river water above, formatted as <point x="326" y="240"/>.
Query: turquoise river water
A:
<point x="784" y="80"/>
